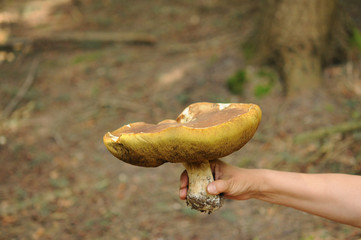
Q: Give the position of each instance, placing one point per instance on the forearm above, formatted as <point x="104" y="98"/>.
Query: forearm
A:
<point x="333" y="196"/>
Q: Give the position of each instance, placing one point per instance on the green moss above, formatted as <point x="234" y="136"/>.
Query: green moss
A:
<point x="268" y="79"/>
<point x="236" y="82"/>
<point x="87" y="57"/>
<point x="262" y="90"/>
<point x="356" y="39"/>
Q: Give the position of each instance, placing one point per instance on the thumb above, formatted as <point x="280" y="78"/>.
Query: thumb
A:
<point x="217" y="187"/>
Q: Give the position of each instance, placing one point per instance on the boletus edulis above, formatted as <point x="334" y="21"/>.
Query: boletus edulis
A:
<point x="202" y="132"/>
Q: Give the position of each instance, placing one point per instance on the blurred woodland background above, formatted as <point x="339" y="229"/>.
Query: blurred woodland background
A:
<point x="71" y="70"/>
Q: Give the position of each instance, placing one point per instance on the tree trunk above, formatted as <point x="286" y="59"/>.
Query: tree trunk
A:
<point x="299" y="37"/>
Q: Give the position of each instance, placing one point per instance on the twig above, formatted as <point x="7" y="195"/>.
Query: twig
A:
<point x="59" y="140"/>
<point x="22" y="91"/>
<point x="106" y="37"/>
<point x="324" y="132"/>
<point x="80" y="39"/>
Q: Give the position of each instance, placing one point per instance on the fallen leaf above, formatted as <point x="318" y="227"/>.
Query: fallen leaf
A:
<point x="65" y="203"/>
<point x="121" y="190"/>
<point x="6" y="220"/>
<point x="38" y="233"/>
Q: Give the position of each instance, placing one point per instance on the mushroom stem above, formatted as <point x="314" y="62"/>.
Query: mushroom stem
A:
<point x="200" y="175"/>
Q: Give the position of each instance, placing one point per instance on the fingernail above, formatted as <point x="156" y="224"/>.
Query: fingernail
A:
<point x="211" y="188"/>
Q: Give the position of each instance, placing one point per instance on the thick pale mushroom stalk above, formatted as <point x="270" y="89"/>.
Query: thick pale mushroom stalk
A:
<point x="200" y="175"/>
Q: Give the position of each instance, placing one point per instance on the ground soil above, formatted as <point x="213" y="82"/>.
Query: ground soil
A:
<point x="58" y="181"/>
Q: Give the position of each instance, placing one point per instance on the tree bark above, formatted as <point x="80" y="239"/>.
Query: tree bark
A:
<point x="299" y="37"/>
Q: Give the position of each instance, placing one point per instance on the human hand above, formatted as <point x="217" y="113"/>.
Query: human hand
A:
<point x="233" y="182"/>
<point x="331" y="196"/>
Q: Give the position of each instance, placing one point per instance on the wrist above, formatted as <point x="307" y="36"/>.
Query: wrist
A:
<point x="279" y="187"/>
<point x="253" y="183"/>
<point x="259" y="183"/>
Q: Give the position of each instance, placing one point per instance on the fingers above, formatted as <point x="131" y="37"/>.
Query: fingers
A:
<point x="183" y="185"/>
<point x="184" y="179"/>
<point x="183" y="193"/>
<point x="217" y="187"/>
<point x="217" y="167"/>
<point x="215" y="164"/>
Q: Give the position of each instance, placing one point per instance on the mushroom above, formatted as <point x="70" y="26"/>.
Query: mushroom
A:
<point x="202" y="132"/>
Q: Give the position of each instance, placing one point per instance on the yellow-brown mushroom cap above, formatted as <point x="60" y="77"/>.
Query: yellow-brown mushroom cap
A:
<point x="203" y="131"/>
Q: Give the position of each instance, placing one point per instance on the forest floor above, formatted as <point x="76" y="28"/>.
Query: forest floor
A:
<point x="58" y="181"/>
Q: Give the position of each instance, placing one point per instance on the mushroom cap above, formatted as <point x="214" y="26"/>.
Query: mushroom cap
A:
<point x="202" y="132"/>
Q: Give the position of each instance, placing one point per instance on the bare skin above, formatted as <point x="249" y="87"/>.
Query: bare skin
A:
<point x="333" y="196"/>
